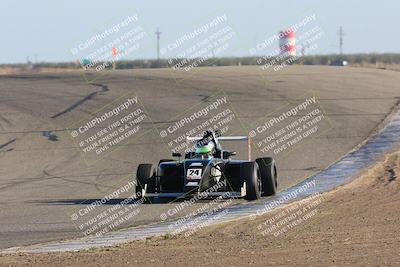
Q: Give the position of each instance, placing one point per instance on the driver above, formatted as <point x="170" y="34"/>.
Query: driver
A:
<point x="205" y="151"/>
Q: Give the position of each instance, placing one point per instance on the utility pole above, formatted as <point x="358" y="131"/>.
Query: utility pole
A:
<point x="158" y="33"/>
<point x="341" y="34"/>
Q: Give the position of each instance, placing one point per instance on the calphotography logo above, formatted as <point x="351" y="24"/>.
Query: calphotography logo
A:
<point x="201" y="45"/>
<point x="109" y="212"/>
<point x="111" y="127"/>
<point x="290" y="127"/>
<point x="114" y="42"/>
<point x="215" y="114"/>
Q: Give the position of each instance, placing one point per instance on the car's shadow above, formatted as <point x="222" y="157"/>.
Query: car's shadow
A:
<point x="114" y="201"/>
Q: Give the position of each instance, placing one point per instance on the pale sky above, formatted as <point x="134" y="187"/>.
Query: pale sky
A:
<point x="47" y="30"/>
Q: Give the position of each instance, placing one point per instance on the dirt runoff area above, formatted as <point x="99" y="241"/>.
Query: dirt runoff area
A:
<point x="355" y="225"/>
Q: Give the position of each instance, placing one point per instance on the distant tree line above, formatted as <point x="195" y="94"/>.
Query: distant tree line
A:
<point x="352" y="59"/>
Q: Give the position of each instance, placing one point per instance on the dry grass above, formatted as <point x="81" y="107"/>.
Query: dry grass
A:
<point x="25" y="69"/>
<point x="383" y="66"/>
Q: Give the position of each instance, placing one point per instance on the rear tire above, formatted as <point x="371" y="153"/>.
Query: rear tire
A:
<point x="143" y="174"/>
<point x="251" y="175"/>
<point x="268" y="176"/>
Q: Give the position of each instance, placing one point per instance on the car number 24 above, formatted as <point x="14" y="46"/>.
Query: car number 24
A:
<point x="193" y="174"/>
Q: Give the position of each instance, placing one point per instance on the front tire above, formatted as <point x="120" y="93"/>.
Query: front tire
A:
<point x="251" y="175"/>
<point x="268" y="176"/>
<point x="143" y="174"/>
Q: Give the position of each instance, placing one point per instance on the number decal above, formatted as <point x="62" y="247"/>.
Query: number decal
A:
<point x="193" y="174"/>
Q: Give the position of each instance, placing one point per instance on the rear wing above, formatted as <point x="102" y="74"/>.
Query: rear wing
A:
<point x="227" y="138"/>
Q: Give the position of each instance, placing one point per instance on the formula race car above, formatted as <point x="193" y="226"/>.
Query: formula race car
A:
<point x="209" y="171"/>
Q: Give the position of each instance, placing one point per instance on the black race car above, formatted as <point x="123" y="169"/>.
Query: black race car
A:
<point x="208" y="171"/>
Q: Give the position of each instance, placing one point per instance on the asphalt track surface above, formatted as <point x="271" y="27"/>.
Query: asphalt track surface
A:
<point x="43" y="178"/>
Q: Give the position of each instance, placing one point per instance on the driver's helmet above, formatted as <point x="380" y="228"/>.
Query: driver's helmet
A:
<point x="205" y="151"/>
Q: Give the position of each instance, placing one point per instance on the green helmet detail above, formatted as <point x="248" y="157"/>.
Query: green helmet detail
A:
<point x="204" y="149"/>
